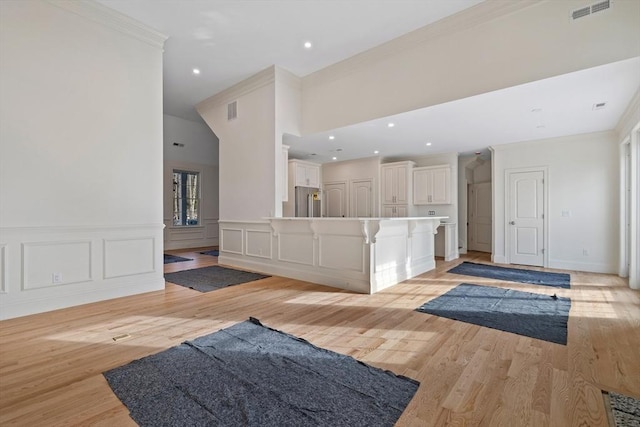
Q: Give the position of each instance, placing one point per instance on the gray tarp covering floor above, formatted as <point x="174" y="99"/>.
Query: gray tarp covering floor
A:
<point x="251" y="375"/>
<point x="168" y="259"/>
<point x="626" y="410"/>
<point x="560" y="280"/>
<point x="524" y="313"/>
<point x="211" y="278"/>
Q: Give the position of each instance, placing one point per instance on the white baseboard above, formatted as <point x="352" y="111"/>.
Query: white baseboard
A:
<point x="590" y="267"/>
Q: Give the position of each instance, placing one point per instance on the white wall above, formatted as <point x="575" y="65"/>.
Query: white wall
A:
<point x="80" y="156"/>
<point x="251" y="161"/>
<point x="247" y="147"/>
<point x="199" y="154"/>
<point x="347" y="171"/>
<point x="583" y="179"/>
<point x="492" y="46"/>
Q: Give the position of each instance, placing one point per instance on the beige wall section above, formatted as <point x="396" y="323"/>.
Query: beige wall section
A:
<point x="466" y="55"/>
<point x="251" y="160"/>
<point x="80" y="156"/>
<point x="199" y="154"/>
<point x="582" y="178"/>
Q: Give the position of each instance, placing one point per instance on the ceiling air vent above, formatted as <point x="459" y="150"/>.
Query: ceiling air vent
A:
<point x="232" y="110"/>
<point x="580" y="13"/>
<point x="590" y="10"/>
<point x="599" y="7"/>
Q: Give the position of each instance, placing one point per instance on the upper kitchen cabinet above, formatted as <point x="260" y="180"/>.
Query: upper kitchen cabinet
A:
<point x="396" y="182"/>
<point x="305" y="174"/>
<point x="432" y="185"/>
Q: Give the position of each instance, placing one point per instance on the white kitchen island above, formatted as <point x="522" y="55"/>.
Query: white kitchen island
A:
<point x="359" y="254"/>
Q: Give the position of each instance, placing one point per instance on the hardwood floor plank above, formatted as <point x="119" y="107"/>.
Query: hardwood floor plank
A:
<point x="51" y="364"/>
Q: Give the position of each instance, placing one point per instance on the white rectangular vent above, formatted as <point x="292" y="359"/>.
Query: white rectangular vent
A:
<point x="599" y="7"/>
<point x="232" y="110"/>
<point x="579" y="13"/>
<point x="590" y="10"/>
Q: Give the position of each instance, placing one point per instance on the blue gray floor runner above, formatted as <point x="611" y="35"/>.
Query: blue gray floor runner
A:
<point x="208" y="279"/>
<point x="560" y="280"/>
<point x="252" y="375"/>
<point x="524" y="313"/>
<point x="625" y="410"/>
<point x="168" y="259"/>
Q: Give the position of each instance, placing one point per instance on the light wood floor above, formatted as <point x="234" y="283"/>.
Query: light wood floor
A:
<point x="51" y="363"/>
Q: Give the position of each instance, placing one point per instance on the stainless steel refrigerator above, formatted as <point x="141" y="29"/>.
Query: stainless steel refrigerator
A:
<point x="307" y="202"/>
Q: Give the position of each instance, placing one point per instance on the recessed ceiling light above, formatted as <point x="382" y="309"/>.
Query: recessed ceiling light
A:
<point x="196" y="71"/>
<point x="308" y="45"/>
<point x="332" y="137"/>
<point x="334" y="158"/>
<point x="391" y="125"/>
<point x="428" y="144"/>
<point x="376" y="152"/>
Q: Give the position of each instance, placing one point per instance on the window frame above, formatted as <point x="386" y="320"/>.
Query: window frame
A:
<point x="183" y="208"/>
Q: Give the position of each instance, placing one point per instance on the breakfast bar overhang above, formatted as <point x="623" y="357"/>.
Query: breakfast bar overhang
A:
<point x="363" y="255"/>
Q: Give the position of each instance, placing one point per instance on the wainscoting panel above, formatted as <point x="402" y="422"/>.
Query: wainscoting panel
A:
<point x="127" y="257"/>
<point x="197" y="236"/>
<point x="46" y="264"/>
<point x="296" y="248"/>
<point x="231" y="240"/>
<point x="342" y="252"/>
<point x="47" y="268"/>
<point x="258" y="243"/>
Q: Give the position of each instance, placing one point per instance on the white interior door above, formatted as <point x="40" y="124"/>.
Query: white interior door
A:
<point x="526" y="218"/>
<point x="335" y="199"/>
<point x="480" y="217"/>
<point x="361" y="198"/>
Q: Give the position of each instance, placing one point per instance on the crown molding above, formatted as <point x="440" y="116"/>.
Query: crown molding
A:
<point x="258" y="80"/>
<point x="108" y="17"/>
<point x="464" y="20"/>
<point x="556" y="140"/>
<point x="630" y="117"/>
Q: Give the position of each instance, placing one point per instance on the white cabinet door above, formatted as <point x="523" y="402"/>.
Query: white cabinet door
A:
<point x="396" y="179"/>
<point x="402" y="211"/>
<point x="313" y="176"/>
<point x="440" y="186"/>
<point x="395" y="211"/>
<point x="306" y="175"/>
<point x="402" y="178"/>
<point x="389" y="185"/>
<point x="432" y="185"/>
<point x="421" y="187"/>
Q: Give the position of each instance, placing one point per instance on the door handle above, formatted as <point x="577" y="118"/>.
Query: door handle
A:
<point x="512" y="223"/>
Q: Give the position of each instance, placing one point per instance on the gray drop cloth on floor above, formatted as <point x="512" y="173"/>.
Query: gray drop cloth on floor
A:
<point x="523" y="313"/>
<point x="251" y="375"/>
<point x="208" y="279"/>
<point x="543" y="278"/>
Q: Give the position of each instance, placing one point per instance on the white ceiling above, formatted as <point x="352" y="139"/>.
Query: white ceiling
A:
<point x="230" y="40"/>
<point x="501" y="117"/>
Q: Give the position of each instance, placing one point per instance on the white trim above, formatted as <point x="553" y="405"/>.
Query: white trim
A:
<point x="108" y="17"/>
<point x="634" y="256"/>
<point x="625" y="235"/>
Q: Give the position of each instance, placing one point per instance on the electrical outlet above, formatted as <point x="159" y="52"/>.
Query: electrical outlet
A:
<point x="585" y="252"/>
<point x="56" y="278"/>
<point x="432" y="213"/>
